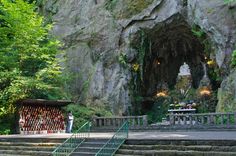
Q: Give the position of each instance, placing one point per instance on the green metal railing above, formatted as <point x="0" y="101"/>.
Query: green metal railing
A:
<point x="115" y="142"/>
<point x="77" y="138"/>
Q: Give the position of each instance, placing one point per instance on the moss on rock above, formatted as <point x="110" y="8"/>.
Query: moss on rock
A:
<point x="123" y="9"/>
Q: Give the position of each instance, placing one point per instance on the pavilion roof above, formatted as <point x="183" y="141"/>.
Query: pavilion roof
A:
<point x="44" y="102"/>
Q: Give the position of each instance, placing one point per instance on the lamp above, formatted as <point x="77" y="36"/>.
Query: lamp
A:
<point x="205" y="91"/>
<point x="162" y="94"/>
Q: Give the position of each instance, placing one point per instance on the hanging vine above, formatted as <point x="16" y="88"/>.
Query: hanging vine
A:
<point x="137" y="67"/>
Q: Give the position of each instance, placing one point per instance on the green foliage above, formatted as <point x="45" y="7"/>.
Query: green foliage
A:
<point x="205" y="41"/>
<point x="158" y="110"/>
<point x="126" y="8"/>
<point x="110" y="4"/>
<point x="28" y="63"/>
<point x="233" y="59"/>
<point x="229" y="1"/>
<point x="6" y="123"/>
<point x="137" y="69"/>
<point x="123" y="59"/>
<point x="197" y="32"/>
<point x="207" y="104"/>
<point x="83" y="114"/>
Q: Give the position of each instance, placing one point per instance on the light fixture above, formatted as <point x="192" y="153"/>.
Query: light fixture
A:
<point x="157" y="62"/>
<point x="162" y="94"/>
<point x="205" y="91"/>
<point x="210" y="62"/>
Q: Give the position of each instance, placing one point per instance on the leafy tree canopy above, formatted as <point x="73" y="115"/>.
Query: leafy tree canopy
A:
<point x="28" y="64"/>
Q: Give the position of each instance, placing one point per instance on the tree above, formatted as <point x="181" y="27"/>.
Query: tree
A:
<point x="29" y="67"/>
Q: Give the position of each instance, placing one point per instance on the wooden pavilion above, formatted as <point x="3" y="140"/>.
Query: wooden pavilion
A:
<point x="39" y="116"/>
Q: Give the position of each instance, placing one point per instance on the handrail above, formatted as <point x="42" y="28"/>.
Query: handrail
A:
<point x="115" y="142"/>
<point x="77" y="138"/>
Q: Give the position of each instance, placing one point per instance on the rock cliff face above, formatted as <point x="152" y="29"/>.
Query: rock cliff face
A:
<point x="100" y="37"/>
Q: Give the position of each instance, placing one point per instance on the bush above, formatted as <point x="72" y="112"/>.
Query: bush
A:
<point x="7" y="122"/>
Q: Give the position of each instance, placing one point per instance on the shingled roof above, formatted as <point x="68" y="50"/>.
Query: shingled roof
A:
<point x="44" y="102"/>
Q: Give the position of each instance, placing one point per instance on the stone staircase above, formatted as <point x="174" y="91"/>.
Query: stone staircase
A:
<point x="132" y="147"/>
<point x="90" y="147"/>
<point x="136" y="147"/>
<point x="28" y="146"/>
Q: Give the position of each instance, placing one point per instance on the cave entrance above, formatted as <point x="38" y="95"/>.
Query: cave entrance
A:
<point x="167" y="47"/>
<point x="171" y="45"/>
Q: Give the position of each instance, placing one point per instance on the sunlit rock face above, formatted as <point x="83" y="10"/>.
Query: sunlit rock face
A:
<point x="96" y="34"/>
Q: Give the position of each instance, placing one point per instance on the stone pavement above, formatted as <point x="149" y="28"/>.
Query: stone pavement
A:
<point x="155" y="135"/>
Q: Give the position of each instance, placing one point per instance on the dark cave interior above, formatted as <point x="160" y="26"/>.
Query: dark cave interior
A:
<point x="171" y="46"/>
<point x="168" y="46"/>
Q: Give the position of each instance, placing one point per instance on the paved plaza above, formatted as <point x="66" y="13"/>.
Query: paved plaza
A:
<point x="189" y="135"/>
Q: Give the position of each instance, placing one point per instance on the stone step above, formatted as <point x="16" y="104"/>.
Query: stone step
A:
<point x="87" y="154"/>
<point x="87" y="149"/>
<point x="34" y="148"/>
<point x="92" y="149"/>
<point x="83" y="154"/>
<point x="180" y="142"/>
<point x="28" y="144"/>
<point x="173" y="153"/>
<point x="33" y="140"/>
<point x="25" y="152"/>
<point x="92" y="144"/>
<point x="181" y="148"/>
<point x="13" y="155"/>
<point x="126" y="155"/>
<point x="97" y="140"/>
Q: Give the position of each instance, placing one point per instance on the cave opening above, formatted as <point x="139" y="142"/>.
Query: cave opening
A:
<point x="171" y="46"/>
<point x="167" y="47"/>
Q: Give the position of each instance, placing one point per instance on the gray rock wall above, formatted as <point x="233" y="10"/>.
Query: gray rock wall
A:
<point x="94" y="38"/>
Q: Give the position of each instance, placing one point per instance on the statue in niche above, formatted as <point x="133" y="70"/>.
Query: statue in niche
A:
<point x="184" y="70"/>
<point x="184" y="79"/>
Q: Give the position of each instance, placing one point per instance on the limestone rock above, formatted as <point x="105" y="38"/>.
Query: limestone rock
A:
<point x="94" y="38"/>
<point x="227" y="94"/>
<point x="218" y="22"/>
